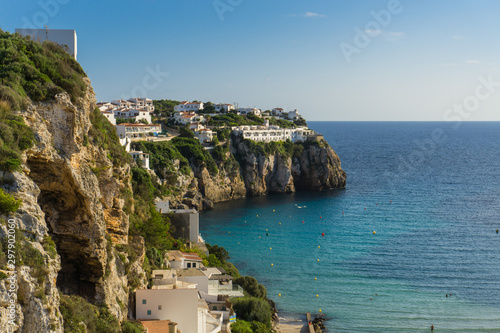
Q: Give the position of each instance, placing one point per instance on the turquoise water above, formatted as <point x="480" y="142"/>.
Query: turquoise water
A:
<point x="434" y="208"/>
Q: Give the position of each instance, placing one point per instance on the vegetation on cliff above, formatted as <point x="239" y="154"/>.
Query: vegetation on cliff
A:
<point x="36" y="71"/>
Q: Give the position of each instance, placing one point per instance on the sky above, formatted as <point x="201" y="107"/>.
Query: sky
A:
<point x="336" y="60"/>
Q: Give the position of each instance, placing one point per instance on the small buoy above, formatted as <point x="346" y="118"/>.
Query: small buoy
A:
<point x="266" y="229"/>
<point x="280" y="222"/>
<point x="229" y="232"/>
<point x="319" y="310"/>
<point x="319" y="246"/>
<point x="267" y="234"/>
<point x="365" y="208"/>
<point x="272" y="264"/>
<point x="318" y="259"/>
<point x="257" y="215"/>
<point x="317" y="295"/>
<point x="315" y="279"/>
<point x="343" y="213"/>
<point x="279" y="295"/>
<point x="273" y="210"/>
<point x="374" y="232"/>
<point x="238" y="243"/>
<point x="270" y="248"/>
<point x="259" y="236"/>
<point x="302" y="221"/>
<point x="323" y="234"/>
<point x="245" y="221"/>
<point x="320" y="217"/>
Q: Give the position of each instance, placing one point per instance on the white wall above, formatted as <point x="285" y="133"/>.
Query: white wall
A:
<point x="60" y="36"/>
<point x="178" y="305"/>
<point x="202" y="281"/>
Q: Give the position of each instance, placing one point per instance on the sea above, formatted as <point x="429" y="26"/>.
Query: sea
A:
<point x="412" y="241"/>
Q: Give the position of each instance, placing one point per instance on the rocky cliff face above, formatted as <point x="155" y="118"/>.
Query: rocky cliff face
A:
<point x="315" y="167"/>
<point x="82" y="211"/>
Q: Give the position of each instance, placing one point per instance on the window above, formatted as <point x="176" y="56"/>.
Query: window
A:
<point x="214" y="308"/>
<point x="160" y="307"/>
<point x="143" y="301"/>
<point x="194" y="264"/>
<point x="149" y="312"/>
<point x="189" y="265"/>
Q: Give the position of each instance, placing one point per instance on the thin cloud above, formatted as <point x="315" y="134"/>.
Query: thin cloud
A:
<point x="373" y="33"/>
<point x="311" y="14"/>
<point x="457" y="37"/>
<point x="473" y="62"/>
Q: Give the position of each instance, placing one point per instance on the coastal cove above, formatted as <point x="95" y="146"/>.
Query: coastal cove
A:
<point x="435" y="222"/>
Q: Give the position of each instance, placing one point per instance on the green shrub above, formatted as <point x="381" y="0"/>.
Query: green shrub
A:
<point x="252" y="287"/>
<point x="241" y="326"/>
<point x="49" y="246"/>
<point x="8" y="204"/>
<point x="193" y="151"/>
<point x="253" y="308"/>
<point x="76" y="309"/>
<point x="132" y="327"/>
<point x="38" y="71"/>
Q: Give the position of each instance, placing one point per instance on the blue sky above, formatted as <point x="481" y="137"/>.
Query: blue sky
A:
<point x="424" y="60"/>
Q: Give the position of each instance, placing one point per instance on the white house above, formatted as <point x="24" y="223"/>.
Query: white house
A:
<point x="135" y="114"/>
<point x="64" y="37"/>
<point x="204" y="135"/>
<point x="184" y="118"/>
<point x="121" y="104"/>
<point x="247" y="111"/>
<point x="196" y="126"/>
<point x="110" y="116"/>
<point x="278" y="112"/>
<point x="187" y="106"/>
<point x="182" y="306"/>
<point x="223" y="108"/>
<point x="293" y="115"/>
<point x="273" y="133"/>
<point x="141" y="158"/>
<point x="137" y="130"/>
<point x="178" y="259"/>
<point x="142" y="103"/>
<point x="105" y="106"/>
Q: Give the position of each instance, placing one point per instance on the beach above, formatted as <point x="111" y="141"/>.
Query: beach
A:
<point x="291" y="328"/>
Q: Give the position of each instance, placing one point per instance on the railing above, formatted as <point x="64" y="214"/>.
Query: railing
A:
<point x="235" y="290"/>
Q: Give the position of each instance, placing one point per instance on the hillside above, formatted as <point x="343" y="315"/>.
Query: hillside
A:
<point x="80" y="209"/>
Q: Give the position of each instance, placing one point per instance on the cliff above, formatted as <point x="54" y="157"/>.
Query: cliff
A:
<point x="82" y="211"/>
<point x="239" y="168"/>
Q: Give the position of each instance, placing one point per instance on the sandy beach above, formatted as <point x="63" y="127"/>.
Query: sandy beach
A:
<point x="291" y="328"/>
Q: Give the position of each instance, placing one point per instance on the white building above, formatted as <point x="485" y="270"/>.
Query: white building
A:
<point x="273" y="133"/>
<point x="133" y="114"/>
<point x="137" y="130"/>
<point x="66" y="38"/>
<point x="121" y="104"/>
<point x="247" y="111"/>
<point x="278" y="112"/>
<point x="142" y="103"/>
<point x="141" y="158"/>
<point x="196" y="126"/>
<point x="223" y="108"/>
<point x="110" y="116"/>
<point x="187" y="106"/>
<point x="204" y="135"/>
<point x="185" y="118"/>
<point x="105" y="106"/>
<point x="182" y="306"/>
<point x="293" y="115"/>
<point x="178" y="259"/>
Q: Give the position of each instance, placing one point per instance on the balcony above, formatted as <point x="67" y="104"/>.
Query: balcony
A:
<point x="222" y="289"/>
